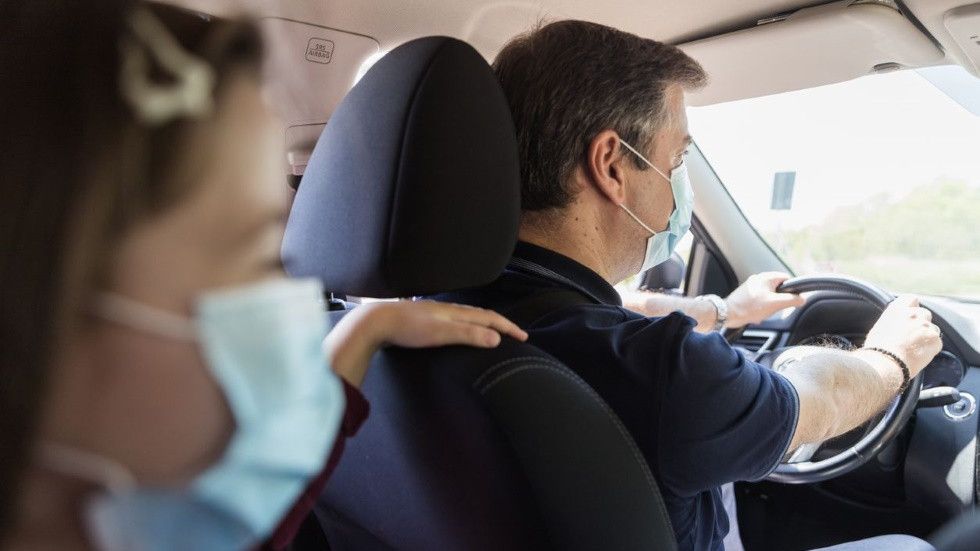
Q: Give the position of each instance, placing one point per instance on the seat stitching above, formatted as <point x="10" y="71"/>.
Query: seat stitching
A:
<point x="578" y="382"/>
<point x="498" y="366"/>
<point x="562" y="370"/>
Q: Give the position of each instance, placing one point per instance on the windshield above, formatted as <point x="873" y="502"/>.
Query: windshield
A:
<point x="877" y="177"/>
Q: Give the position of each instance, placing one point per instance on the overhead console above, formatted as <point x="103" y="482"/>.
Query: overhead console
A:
<point x="308" y="70"/>
<point x="810" y="47"/>
<point x="964" y="24"/>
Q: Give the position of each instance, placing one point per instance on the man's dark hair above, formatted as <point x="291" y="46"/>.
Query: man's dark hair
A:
<point x="569" y="80"/>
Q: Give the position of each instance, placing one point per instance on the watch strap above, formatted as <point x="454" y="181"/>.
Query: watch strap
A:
<point x="721" y="310"/>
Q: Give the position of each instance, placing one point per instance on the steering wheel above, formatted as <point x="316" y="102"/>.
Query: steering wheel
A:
<point x="799" y="468"/>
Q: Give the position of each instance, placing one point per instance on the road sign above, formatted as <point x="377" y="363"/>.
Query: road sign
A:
<point x="782" y="190"/>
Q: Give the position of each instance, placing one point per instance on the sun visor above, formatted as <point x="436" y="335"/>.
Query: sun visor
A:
<point x="964" y="24"/>
<point x="308" y="70"/>
<point x="810" y="47"/>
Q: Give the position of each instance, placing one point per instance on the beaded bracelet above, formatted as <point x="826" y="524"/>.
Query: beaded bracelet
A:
<point x="906" y="376"/>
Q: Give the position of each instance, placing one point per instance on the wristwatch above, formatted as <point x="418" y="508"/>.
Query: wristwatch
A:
<point x="721" y="310"/>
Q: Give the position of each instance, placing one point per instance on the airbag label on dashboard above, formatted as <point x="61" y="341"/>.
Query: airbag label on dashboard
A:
<point x="319" y="50"/>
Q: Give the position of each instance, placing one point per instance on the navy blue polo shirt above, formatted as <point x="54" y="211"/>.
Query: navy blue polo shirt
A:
<point x="701" y="413"/>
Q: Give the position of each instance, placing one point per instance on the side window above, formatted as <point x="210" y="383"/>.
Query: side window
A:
<point x="707" y="272"/>
<point x="684" y="250"/>
<point x="693" y="267"/>
<point x="668" y="277"/>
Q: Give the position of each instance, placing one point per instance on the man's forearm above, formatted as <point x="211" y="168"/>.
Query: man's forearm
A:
<point x="838" y="390"/>
<point x="656" y="304"/>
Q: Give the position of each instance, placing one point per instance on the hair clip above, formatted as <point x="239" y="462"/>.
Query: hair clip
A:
<point x="191" y="93"/>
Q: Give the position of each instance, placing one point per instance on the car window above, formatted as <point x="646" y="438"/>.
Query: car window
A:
<point x="877" y="177"/>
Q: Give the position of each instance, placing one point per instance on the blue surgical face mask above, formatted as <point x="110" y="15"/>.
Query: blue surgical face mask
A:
<point x="263" y="346"/>
<point x="660" y="245"/>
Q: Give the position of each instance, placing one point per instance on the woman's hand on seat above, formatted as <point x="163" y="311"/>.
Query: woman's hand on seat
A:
<point x="425" y="324"/>
<point x="411" y="324"/>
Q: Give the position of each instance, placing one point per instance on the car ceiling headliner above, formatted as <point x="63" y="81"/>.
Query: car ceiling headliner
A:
<point x="482" y="22"/>
<point x="392" y="21"/>
<point x="489" y="24"/>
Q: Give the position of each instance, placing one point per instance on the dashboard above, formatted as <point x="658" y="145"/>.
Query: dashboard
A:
<point x="932" y="465"/>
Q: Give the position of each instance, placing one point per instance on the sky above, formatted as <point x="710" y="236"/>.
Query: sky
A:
<point x="847" y="142"/>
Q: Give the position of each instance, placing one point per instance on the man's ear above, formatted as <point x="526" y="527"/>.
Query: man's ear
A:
<point x="604" y="164"/>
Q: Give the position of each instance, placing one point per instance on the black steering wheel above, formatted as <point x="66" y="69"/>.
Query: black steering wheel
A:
<point x="799" y="468"/>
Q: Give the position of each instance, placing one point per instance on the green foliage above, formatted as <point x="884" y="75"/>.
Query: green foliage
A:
<point x="927" y="241"/>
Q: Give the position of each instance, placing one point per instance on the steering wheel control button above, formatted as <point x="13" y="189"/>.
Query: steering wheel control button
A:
<point x="962" y="410"/>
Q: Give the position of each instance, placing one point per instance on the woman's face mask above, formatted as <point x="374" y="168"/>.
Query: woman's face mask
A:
<point x="263" y="345"/>
<point x="660" y="245"/>
<point x="151" y="401"/>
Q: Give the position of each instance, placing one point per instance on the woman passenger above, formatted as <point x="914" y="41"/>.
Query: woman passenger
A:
<point x="162" y="384"/>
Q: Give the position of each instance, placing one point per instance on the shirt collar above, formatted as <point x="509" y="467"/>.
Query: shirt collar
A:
<point x="571" y="273"/>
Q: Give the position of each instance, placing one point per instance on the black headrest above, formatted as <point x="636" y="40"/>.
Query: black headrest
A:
<point x="413" y="187"/>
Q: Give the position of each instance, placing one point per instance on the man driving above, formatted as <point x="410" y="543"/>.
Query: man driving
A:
<point x="601" y="126"/>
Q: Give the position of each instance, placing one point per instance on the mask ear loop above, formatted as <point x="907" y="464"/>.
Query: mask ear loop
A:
<point x="623" y="206"/>
<point x="86" y="466"/>
<point x="155" y="104"/>
<point x="128" y="312"/>
<point x="638" y="221"/>
<point x="644" y="159"/>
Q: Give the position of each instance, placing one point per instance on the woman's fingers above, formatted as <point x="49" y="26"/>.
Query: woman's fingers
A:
<point x="423" y="323"/>
<point x="485" y="318"/>
<point x="447" y="332"/>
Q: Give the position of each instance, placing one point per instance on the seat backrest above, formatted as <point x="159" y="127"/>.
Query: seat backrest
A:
<point x="502" y="448"/>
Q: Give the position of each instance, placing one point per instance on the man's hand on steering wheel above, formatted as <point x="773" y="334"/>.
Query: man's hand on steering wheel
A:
<point x="757" y="299"/>
<point x="906" y="330"/>
<point x="840" y="390"/>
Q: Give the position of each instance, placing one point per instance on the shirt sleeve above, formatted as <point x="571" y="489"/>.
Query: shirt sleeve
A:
<point x="354" y="415"/>
<point x="724" y="418"/>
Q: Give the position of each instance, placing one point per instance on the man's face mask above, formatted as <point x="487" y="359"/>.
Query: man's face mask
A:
<point x="660" y="245"/>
